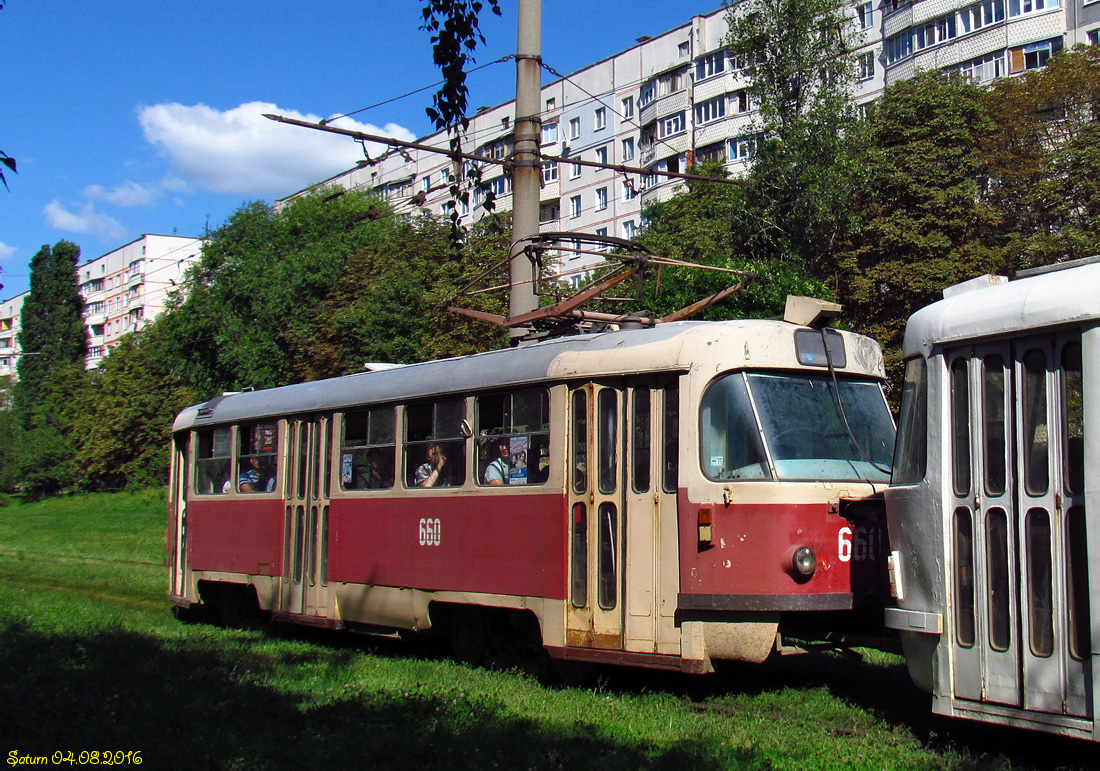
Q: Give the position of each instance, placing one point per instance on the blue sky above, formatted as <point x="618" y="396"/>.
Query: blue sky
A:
<point x="141" y="116"/>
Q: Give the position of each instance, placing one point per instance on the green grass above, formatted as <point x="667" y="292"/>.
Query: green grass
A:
<point x="91" y="659"/>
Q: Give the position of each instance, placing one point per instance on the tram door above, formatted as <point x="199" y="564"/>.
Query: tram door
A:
<point x="595" y="615"/>
<point x="1020" y="621"/>
<point x="306" y="494"/>
<point x="650" y="484"/>
<point x="178" y="525"/>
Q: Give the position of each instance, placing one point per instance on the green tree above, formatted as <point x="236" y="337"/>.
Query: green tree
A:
<point x="797" y="57"/>
<point x="261" y="282"/>
<point x="45" y="457"/>
<point x="9" y="437"/>
<point x="125" y="425"/>
<point x="701" y="224"/>
<point x="53" y="333"/>
<point x="920" y="224"/>
<point x="1042" y="160"/>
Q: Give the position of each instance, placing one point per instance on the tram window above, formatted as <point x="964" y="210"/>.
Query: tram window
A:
<point x="213" y="451"/>
<point x="303" y="457"/>
<point x="730" y="440"/>
<point x="513" y="443"/>
<point x="257" y="457"/>
<point x="579" y="578"/>
<point x="640" y="439"/>
<point x="807" y="435"/>
<point x="1034" y="407"/>
<point x="1040" y="588"/>
<point x="1073" y="419"/>
<point x="911" y="448"/>
<point x="608" y="556"/>
<point x="607" y="408"/>
<point x="997" y="543"/>
<point x="960" y="426"/>
<point x="367" y="450"/>
<point x="1077" y="583"/>
<point x="964" y="577"/>
<point x="993" y="421"/>
<point x="580" y="441"/>
<point x="671" y="481"/>
<point x="435" y="449"/>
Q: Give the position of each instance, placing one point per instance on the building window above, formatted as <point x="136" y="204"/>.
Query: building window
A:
<point x="742" y="148"/>
<point x="550" y="172"/>
<point x="740" y="102"/>
<point x="549" y="133"/>
<point x="866" y="15"/>
<point x="575" y="206"/>
<point x="1094" y="37"/>
<point x="981" y="15"/>
<point x="899" y="47"/>
<point x="574" y="128"/>
<point x="671" y="83"/>
<point x="601" y="154"/>
<point x="601" y="118"/>
<point x="628" y="190"/>
<point x="866" y="65"/>
<point x="710" y="110"/>
<point x="984" y="68"/>
<point x="671" y="125"/>
<point x="628" y="149"/>
<point x="1024" y="7"/>
<point x="710" y="65"/>
<point x="683" y="49"/>
<point x="627" y="107"/>
<point x="648" y="94"/>
<point x="1032" y="57"/>
<point x="551" y="103"/>
<point x="601" y="199"/>
<point x="575" y="171"/>
<point x="715" y="152"/>
<point x="629" y="229"/>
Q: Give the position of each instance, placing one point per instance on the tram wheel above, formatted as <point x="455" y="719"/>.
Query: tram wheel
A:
<point x="468" y="637"/>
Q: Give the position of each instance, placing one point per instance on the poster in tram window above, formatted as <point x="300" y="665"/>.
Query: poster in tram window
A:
<point x="263" y="438"/>
<point x="517" y="455"/>
<point x="345" y="468"/>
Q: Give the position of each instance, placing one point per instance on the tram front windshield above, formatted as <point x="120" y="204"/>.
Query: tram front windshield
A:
<point x="786" y="426"/>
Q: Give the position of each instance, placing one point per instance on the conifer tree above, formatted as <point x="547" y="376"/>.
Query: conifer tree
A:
<point x="52" y="333"/>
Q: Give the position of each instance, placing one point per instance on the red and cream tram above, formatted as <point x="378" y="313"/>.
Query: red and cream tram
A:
<point x="659" y="497"/>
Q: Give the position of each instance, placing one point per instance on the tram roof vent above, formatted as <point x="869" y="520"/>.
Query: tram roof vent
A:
<point x="378" y="366"/>
<point x="981" y="282"/>
<point x="810" y="312"/>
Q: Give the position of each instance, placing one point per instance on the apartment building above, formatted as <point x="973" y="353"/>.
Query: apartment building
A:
<point x="123" y="290"/>
<point x="9" y="332"/>
<point x="677" y="96"/>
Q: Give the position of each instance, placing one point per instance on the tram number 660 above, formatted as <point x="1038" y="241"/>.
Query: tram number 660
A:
<point x="862" y="544"/>
<point x="431" y="532"/>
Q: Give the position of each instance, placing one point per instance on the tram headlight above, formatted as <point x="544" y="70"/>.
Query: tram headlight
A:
<point x="804" y="561"/>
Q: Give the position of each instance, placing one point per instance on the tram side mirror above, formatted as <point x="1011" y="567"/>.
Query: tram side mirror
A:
<point x="810" y="312"/>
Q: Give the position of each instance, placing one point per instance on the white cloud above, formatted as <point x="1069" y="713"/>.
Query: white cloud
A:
<point x="240" y="151"/>
<point x="6" y="252"/>
<point x="133" y="194"/>
<point x="128" y="194"/>
<point x="86" y="220"/>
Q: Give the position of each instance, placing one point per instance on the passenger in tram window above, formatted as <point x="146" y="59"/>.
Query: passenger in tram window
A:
<point x="430" y="474"/>
<point x="373" y="475"/>
<point x="250" y="478"/>
<point x="496" y="473"/>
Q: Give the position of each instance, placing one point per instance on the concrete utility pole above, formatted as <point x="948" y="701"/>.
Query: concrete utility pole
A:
<point x="526" y="173"/>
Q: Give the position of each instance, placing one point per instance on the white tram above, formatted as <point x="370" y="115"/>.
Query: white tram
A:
<point x="658" y="497"/>
<point x="992" y="505"/>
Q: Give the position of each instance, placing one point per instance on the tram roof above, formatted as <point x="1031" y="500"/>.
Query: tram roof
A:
<point x="669" y="347"/>
<point x="1036" y="302"/>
